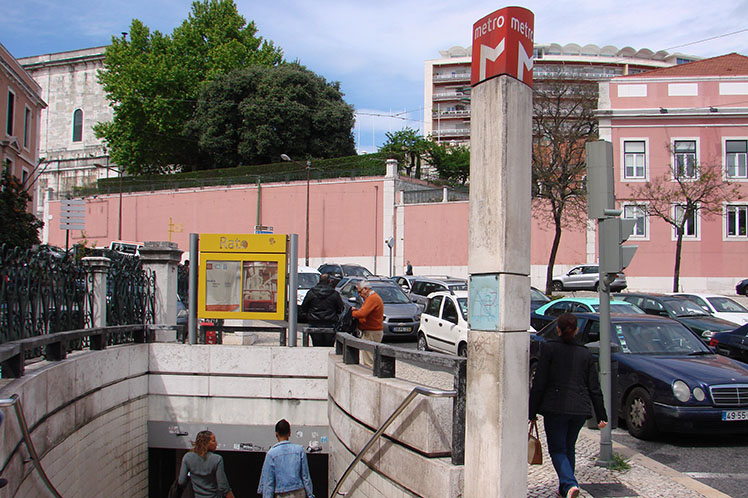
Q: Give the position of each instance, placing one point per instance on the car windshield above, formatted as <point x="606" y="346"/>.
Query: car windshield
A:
<point x="458" y="286"/>
<point x="463" y="302"/>
<point x="308" y="280"/>
<point x="620" y="308"/>
<point x="391" y="294"/>
<point x="726" y="305"/>
<point x="657" y="338"/>
<point x="358" y="271"/>
<point x="536" y="295"/>
<point x="683" y="307"/>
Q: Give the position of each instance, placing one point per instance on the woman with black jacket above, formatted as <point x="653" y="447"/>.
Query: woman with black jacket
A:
<point x="565" y="390"/>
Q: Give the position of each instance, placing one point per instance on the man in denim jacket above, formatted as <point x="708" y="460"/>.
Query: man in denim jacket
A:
<point x="285" y="473"/>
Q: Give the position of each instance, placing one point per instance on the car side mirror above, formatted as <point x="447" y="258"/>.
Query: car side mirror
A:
<point x="352" y="299"/>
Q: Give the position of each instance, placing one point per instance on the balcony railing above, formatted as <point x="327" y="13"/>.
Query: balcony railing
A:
<point x="452" y="77"/>
<point x="464" y="113"/>
<point x="452" y="132"/>
<point x="450" y="96"/>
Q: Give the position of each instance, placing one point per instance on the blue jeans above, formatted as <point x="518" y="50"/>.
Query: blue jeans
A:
<point x="561" y="433"/>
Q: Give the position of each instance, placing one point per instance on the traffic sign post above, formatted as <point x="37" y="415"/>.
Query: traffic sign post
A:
<point x="72" y="217"/>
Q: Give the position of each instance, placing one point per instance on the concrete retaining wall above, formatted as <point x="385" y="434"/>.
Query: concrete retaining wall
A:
<point x="411" y="460"/>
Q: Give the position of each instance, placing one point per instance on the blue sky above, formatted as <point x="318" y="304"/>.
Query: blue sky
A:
<point x="377" y="49"/>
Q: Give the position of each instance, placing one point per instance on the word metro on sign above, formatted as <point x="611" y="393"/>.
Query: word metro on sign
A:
<point x="503" y="44"/>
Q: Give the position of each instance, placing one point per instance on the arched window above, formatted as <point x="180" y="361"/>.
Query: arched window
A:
<point x="77" y="125"/>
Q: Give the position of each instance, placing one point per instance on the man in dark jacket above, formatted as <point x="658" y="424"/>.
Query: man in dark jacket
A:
<point x="322" y="306"/>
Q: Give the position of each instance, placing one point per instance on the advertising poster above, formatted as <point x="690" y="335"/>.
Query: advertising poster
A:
<point x="260" y="289"/>
<point x="223" y="285"/>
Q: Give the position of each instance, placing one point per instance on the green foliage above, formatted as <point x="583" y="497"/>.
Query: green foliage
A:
<point x="620" y="463"/>
<point x="19" y="227"/>
<point x="452" y="162"/>
<point x="253" y="115"/>
<point x="153" y="81"/>
<point x="340" y="167"/>
<point x="407" y="146"/>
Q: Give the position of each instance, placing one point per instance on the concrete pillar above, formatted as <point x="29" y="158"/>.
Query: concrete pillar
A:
<point x="162" y="258"/>
<point x="499" y="267"/>
<point x="98" y="267"/>
<point x="389" y="226"/>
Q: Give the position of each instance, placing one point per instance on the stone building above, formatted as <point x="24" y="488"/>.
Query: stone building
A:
<point x="73" y="156"/>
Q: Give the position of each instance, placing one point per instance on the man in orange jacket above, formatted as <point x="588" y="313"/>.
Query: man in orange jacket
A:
<point x="370" y="317"/>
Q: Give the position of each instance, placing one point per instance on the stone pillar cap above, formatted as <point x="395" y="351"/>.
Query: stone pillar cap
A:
<point x="162" y="251"/>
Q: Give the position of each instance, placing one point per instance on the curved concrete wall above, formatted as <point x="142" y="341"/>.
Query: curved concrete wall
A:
<point x="88" y="415"/>
<point x="413" y="457"/>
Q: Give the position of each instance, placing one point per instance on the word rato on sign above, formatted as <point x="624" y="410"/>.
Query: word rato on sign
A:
<point x="503" y="44"/>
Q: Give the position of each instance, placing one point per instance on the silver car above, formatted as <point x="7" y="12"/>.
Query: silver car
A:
<point x="585" y="277"/>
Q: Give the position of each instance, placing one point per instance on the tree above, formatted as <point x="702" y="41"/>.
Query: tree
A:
<point x="253" y="115"/>
<point x="153" y="80"/>
<point x="408" y="147"/>
<point x="452" y="162"/>
<point x="563" y="122"/>
<point x="19" y="227"/>
<point x="677" y="198"/>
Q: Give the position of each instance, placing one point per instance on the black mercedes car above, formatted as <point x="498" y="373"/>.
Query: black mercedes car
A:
<point x="733" y="343"/>
<point x="668" y="380"/>
<point x="681" y="309"/>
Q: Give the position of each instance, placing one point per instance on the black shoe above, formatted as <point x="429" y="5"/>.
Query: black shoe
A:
<point x="3" y="482"/>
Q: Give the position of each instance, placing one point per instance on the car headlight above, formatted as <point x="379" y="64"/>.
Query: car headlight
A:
<point x="698" y="393"/>
<point x="681" y="391"/>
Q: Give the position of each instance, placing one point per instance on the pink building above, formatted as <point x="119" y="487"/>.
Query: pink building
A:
<point x="20" y="107"/>
<point x="689" y="115"/>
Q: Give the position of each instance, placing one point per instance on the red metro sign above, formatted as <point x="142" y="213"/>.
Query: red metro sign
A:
<point x="503" y="44"/>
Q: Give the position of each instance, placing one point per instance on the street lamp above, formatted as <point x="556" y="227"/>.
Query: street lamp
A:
<point x="119" y="172"/>
<point x="306" y="234"/>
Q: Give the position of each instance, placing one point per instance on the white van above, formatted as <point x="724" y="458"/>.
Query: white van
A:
<point x="308" y="278"/>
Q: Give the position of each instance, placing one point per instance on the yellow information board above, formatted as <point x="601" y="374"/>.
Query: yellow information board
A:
<point x="242" y="276"/>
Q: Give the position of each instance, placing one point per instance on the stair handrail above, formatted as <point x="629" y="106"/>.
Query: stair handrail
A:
<point x="426" y="391"/>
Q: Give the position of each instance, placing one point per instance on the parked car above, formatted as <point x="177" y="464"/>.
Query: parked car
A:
<point x="548" y="312"/>
<point x="720" y="306"/>
<point x="443" y="324"/>
<point x="423" y="286"/>
<point x="681" y="309"/>
<point x="308" y="277"/>
<point x="733" y="343"/>
<point x="404" y="281"/>
<point x="668" y="380"/>
<point x="585" y="277"/>
<point x="537" y="299"/>
<point x="742" y="288"/>
<point x="401" y="316"/>
<point x="338" y="271"/>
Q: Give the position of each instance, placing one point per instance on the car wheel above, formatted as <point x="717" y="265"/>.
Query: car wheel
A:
<point x="639" y="414"/>
<point x="462" y="350"/>
<point x="557" y="286"/>
<point x="422" y="344"/>
<point x="597" y="285"/>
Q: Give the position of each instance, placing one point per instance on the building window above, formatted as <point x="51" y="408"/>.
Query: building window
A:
<point x="637" y="212"/>
<point x="634" y="159"/>
<point x="736" y="153"/>
<point x="737" y="221"/>
<point x="26" y="128"/>
<point x="77" y="125"/>
<point x="691" y="226"/>
<point x="684" y="159"/>
<point x="9" y="115"/>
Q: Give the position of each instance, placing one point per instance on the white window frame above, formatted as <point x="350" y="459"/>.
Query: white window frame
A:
<point x="725" y="175"/>
<point x="697" y="160"/>
<point x="725" y="228"/>
<point x="645" y="177"/>
<point x="643" y="206"/>
<point x="697" y="222"/>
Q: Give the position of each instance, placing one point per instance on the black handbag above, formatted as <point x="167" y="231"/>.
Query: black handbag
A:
<point x="177" y="491"/>
<point x="346" y="322"/>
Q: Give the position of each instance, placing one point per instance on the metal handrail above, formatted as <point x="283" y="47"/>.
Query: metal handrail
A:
<point x="426" y="391"/>
<point x="15" y="402"/>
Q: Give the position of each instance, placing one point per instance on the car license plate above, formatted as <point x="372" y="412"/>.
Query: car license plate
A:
<point x="401" y="329"/>
<point x="734" y="415"/>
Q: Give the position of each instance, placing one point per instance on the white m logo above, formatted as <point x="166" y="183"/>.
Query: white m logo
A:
<point x="523" y="60"/>
<point x="488" y="53"/>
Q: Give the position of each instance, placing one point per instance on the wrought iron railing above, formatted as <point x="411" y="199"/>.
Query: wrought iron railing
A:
<point x="43" y="292"/>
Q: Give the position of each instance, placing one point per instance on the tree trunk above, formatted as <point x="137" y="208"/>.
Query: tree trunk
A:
<point x="676" y="270"/>
<point x="552" y="257"/>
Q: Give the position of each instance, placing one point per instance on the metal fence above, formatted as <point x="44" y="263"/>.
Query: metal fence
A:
<point x="45" y="292"/>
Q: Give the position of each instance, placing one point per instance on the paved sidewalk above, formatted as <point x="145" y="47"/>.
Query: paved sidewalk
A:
<point x="646" y="477"/>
